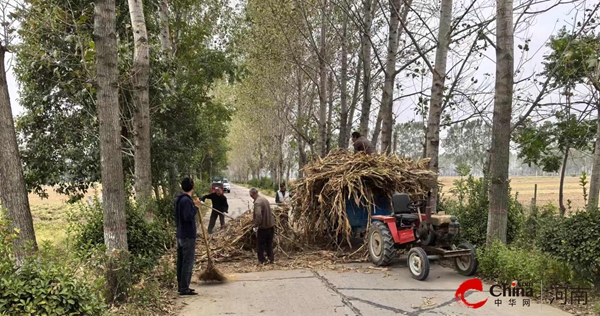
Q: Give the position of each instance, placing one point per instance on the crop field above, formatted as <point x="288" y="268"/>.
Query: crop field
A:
<point x="547" y="190"/>
<point x="50" y="216"/>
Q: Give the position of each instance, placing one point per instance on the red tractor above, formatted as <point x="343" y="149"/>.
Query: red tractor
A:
<point x="407" y="228"/>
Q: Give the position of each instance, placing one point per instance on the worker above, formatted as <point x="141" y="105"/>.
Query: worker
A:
<point x="219" y="203"/>
<point x="185" y="219"/>
<point x="283" y="196"/>
<point x="361" y="143"/>
<point x="264" y="227"/>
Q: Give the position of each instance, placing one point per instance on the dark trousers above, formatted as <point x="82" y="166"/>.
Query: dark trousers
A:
<point x="186" y="249"/>
<point x="264" y="243"/>
<point x="213" y="220"/>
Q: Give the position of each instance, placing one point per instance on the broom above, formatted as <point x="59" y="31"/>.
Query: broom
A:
<point x="211" y="273"/>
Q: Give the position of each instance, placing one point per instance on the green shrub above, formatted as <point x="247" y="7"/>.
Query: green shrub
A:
<point x="575" y="239"/>
<point x="200" y="187"/>
<point x="146" y="297"/>
<point x="164" y="212"/>
<point x="537" y="219"/>
<point x="47" y="283"/>
<point x="146" y="241"/>
<point x="505" y="264"/>
<point x="472" y="212"/>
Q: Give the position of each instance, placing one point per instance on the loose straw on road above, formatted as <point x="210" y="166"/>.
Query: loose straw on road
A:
<point x="211" y="273"/>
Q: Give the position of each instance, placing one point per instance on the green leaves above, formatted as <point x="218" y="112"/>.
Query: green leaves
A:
<point x="574" y="240"/>
<point x="505" y="264"/>
<point x="544" y="145"/>
<point x="47" y="283"/>
<point x="472" y="212"/>
<point x="55" y="66"/>
<point x="572" y="58"/>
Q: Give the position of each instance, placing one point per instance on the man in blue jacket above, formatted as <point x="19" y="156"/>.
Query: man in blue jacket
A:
<point x="186" y="209"/>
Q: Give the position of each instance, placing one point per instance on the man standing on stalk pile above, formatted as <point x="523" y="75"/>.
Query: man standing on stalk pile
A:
<point x="219" y="203"/>
<point x="264" y="227"/>
<point x="185" y="218"/>
<point x="361" y="143"/>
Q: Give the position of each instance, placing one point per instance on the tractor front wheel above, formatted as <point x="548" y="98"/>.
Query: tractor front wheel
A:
<point x="381" y="244"/>
<point x="418" y="263"/>
<point x="466" y="265"/>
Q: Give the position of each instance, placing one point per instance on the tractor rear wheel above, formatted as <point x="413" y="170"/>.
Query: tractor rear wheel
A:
<point x="466" y="265"/>
<point x="418" y="263"/>
<point x="381" y="244"/>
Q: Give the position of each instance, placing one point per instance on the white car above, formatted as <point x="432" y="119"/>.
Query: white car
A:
<point x="226" y="186"/>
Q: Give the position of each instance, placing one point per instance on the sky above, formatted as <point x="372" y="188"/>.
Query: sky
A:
<point x="540" y="29"/>
<point x="539" y="32"/>
<point x="13" y="89"/>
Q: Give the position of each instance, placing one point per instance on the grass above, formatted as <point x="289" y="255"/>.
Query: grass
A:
<point x="50" y="216"/>
<point x="547" y="188"/>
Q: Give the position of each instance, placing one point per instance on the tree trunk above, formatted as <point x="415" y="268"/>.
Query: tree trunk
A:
<point x="500" y="151"/>
<point x="395" y="143"/>
<point x="377" y="130"/>
<point x="595" y="179"/>
<point x="141" y="102"/>
<point x="261" y="162"/>
<point x="165" y="34"/>
<point x="437" y="93"/>
<point x="354" y="100"/>
<point x="329" y="113"/>
<point x="387" y="97"/>
<point x="281" y="161"/>
<point x="299" y="126"/>
<point x="366" y="53"/>
<point x="344" y="132"/>
<point x="113" y="185"/>
<point x="561" y="203"/>
<point x="111" y="160"/>
<point x="174" y="188"/>
<point x="486" y="173"/>
<point x="323" y="83"/>
<point x="13" y="193"/>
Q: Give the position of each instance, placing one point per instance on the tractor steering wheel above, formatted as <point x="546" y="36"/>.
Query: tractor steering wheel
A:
<point x="417" y="204"/>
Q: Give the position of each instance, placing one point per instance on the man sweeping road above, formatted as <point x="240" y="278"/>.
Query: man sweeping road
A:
<point x="185" y="218"/>
<point x="264" y="226"/>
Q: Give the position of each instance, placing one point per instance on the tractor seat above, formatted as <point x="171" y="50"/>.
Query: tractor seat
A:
<point x="400" y="203"/>
<point x="406" y="218"/>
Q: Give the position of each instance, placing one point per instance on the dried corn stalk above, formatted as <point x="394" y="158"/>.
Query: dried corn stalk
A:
<point x="319" y="203"/>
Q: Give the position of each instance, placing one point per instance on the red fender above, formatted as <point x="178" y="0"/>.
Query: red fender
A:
<point x="402" y="236"/>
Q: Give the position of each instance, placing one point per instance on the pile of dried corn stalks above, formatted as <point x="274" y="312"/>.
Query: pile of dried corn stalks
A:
<point x="319" y="203"/>
<point x="237" y="240"/>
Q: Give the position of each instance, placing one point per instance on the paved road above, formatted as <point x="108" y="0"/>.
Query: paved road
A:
<point x="239" y="201"/>
<point x="393" y="292"/>
<point x="303" y="292"/>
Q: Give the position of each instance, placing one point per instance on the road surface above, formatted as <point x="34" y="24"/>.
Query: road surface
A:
<point x="308" y="292"/>
<point x="239" y="200"/>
